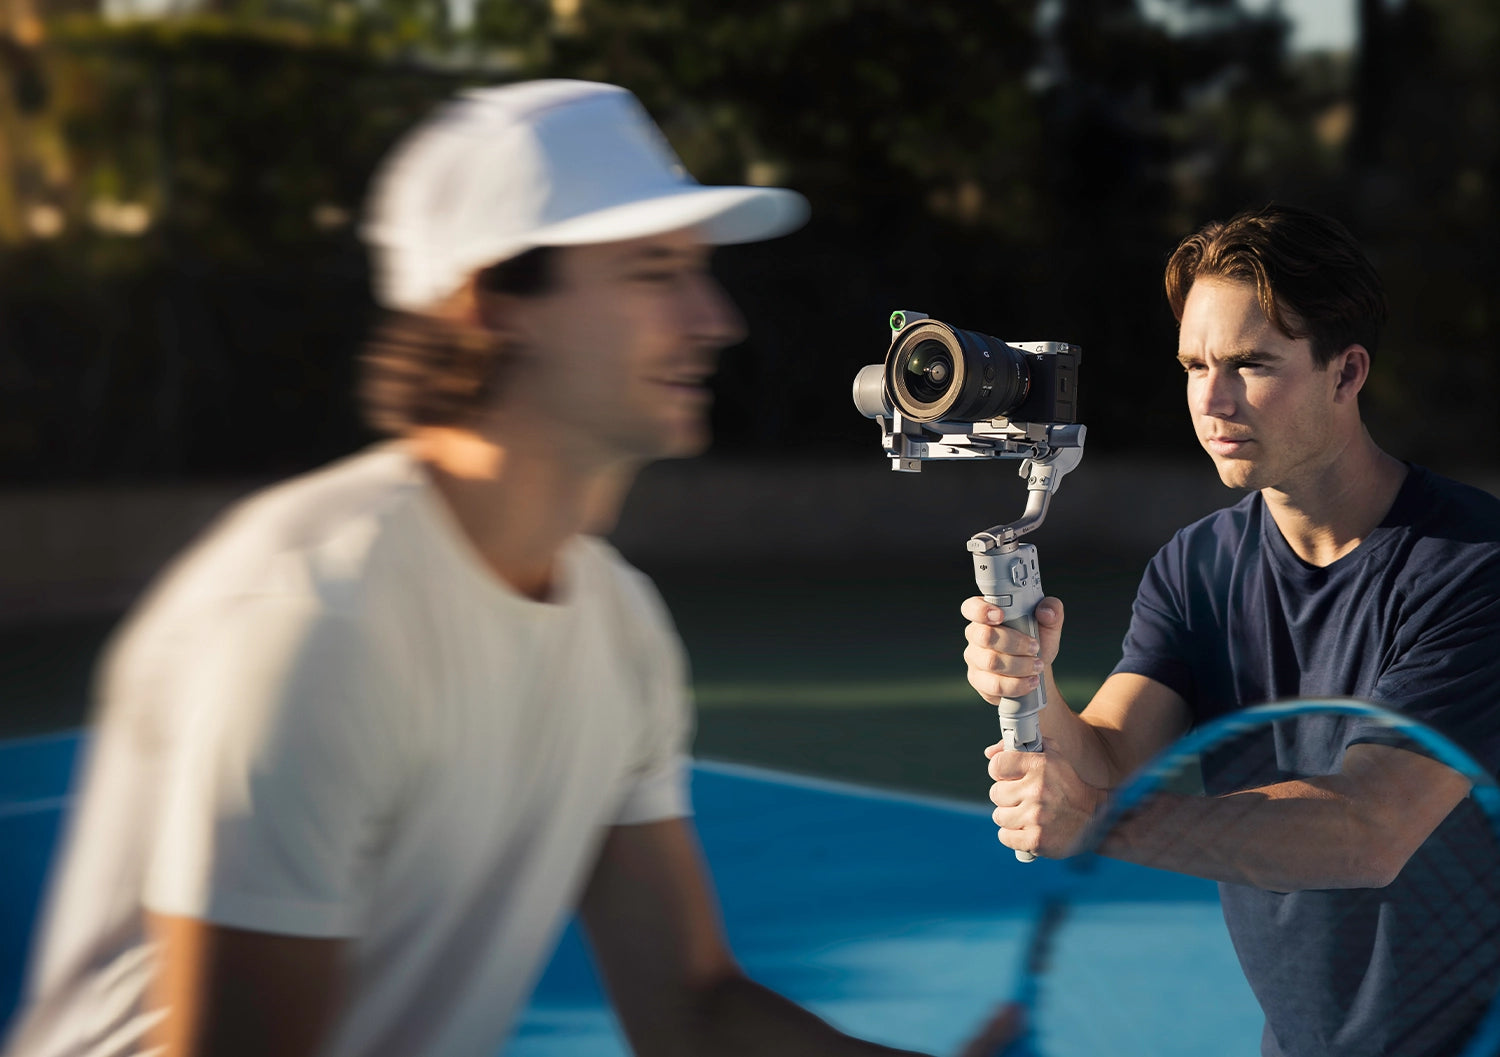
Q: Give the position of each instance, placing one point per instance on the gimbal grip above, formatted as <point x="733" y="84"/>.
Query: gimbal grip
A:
<point x="1010" y="580"/>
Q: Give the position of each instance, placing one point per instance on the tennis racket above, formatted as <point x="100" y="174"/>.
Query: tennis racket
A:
<point x="1123" y="960"/>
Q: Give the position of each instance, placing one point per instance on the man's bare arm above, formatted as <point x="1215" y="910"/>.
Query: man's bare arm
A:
<point x="654" y="925"/>
<point x="229" y="992"/>
<point x="1354" y="829"/>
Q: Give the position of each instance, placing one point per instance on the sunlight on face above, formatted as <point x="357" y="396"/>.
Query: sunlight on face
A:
<point x="1262" y="409"/>
<point x="621" y="349"/>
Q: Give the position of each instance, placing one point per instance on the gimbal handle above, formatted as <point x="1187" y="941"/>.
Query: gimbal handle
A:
<point x="1010" y="579"/>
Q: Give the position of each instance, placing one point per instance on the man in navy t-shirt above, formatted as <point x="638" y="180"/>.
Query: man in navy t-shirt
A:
<point x="1345" y="572"/>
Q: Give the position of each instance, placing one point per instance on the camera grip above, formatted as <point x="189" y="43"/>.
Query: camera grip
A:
<point x="1010" y="580"/>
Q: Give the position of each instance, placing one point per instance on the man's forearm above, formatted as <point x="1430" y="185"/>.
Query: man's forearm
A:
<point x="1079" y="743"/>
<point x="737" y="1017"/>
<point x="1284" y="838"/>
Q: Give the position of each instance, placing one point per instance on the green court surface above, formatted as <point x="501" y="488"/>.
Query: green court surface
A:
<point x="854" y="673"/>
<point x="859" y="674"/>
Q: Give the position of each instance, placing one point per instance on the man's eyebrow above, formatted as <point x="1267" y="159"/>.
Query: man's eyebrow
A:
<point x="653" y="254"/>
<point x="1236" y="358"/>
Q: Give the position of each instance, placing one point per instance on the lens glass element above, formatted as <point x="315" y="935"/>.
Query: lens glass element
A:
<point x="928" y="371"/>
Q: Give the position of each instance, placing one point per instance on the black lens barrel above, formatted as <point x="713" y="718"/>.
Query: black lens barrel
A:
<point x="936" y="372"/>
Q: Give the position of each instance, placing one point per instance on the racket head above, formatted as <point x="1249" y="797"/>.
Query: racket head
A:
<point x="1127" y="960"/>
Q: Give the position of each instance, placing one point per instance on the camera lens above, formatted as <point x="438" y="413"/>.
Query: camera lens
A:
<point x="928" y="371"/>
<point x="936" y="372"/>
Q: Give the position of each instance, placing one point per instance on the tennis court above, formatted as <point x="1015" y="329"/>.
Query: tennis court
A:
<point x="849" y="839"/>
<point x="897" y="917"/>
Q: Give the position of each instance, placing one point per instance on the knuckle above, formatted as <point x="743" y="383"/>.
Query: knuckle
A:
<point x="987" y="683"/>
<point x="1019" y="667"/>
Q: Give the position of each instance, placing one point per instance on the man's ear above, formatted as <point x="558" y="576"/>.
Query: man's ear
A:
<point x="1351" y="369"/>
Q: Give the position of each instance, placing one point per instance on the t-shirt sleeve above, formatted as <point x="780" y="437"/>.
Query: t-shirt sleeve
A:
<point x="1446" y="665"/>
<point x="658" y="787"/>
<point x="278" y="779"/>
<point x="1157" y="643"/>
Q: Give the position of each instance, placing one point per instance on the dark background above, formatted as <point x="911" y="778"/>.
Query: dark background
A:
<point x="182" y="291"/>
<point x="183" y="294"/>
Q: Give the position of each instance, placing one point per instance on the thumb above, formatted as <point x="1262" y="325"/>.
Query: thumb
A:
<point x="1049" y="622"/>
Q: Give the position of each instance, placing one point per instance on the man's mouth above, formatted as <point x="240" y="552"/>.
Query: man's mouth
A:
<point x="1226" y="445"/>
<point x="688" y="383"/>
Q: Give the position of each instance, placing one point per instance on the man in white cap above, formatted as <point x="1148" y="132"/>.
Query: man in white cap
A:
<point x="365" y="747"/>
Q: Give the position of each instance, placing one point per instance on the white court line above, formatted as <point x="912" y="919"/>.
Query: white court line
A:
<point x="837" y="786"/>
<point x="33" y="807"/>
<point x="767" y="775"/>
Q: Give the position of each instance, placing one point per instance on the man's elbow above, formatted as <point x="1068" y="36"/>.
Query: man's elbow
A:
<point x="713" y="996"/>
<point x="1364" y="861"/>
<point x="1378" y="866"/>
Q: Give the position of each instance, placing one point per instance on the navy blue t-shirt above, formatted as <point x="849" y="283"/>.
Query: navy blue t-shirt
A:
<point x="1228" y="616"/>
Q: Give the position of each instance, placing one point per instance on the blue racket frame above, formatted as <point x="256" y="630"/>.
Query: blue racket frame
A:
<point x="1485" y="1041"/>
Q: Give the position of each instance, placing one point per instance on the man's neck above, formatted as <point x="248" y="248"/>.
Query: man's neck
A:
<point x="1329" y="513"/>
<point x="517" y="506"/>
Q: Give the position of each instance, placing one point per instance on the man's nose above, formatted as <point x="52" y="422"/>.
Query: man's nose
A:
<point x="1213" y="393"/>
<point x="714" y="317"/>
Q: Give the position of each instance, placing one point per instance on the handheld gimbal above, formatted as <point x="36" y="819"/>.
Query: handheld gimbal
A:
<point x="944" y="393"/>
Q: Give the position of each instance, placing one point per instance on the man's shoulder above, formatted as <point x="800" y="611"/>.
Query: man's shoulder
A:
<point x="314" y="536"/>
<point x="608" y="570"/>
<point x="1450" y="509"/>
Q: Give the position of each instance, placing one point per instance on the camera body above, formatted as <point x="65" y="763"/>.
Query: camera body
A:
<point x="945" y="393"/>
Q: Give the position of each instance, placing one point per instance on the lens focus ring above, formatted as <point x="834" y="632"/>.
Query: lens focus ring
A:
<point x="936" y="372"/>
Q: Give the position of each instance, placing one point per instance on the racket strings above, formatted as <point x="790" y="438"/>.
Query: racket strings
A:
<point x="1442" y="911"/>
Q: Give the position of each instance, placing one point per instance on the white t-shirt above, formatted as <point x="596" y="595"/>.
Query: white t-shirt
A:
<point x="330" y="720"/>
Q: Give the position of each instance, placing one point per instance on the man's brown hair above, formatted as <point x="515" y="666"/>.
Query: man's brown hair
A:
<point x="1312" y="279"/>
<point x="420" y="370"/>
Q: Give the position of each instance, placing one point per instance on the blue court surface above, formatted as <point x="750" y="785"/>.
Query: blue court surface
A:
<point x="896" y="917"/>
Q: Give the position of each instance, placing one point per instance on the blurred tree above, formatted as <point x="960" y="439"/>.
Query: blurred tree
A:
<point x="181" y="317"/>
<point x="1424" y="169"/>
<point x="1020" y="166"/>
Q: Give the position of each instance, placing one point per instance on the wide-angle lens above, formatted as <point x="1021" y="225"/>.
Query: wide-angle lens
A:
<point x="936" y="372"/>
<point x="929" y="371"/>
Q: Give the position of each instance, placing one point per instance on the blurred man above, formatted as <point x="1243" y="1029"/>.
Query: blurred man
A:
<point x="1345" y="572"/>
<point x="369" y="744"/>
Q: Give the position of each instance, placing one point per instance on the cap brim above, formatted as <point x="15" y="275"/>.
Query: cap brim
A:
<point x="722" y="215"/>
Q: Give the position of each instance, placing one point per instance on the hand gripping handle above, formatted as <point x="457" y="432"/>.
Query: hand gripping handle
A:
<point x="1009" y="579"/>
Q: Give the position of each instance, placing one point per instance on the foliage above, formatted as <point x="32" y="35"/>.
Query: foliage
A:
<point x="1018" y="166"/>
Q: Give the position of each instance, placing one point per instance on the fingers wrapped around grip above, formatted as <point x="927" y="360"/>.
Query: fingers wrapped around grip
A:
<point x="1002" y="662"/>
<point x="1041" y="805"/>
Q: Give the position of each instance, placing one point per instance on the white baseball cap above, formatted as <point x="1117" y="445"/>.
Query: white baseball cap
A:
<point x="497" y="171"/>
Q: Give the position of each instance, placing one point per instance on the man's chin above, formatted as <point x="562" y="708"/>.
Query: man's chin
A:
<point x="686" y="441"/>
<point x="1236" y="473"/>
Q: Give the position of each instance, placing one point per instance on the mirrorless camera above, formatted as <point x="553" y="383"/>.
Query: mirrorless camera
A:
<point x="943" y="392"/>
